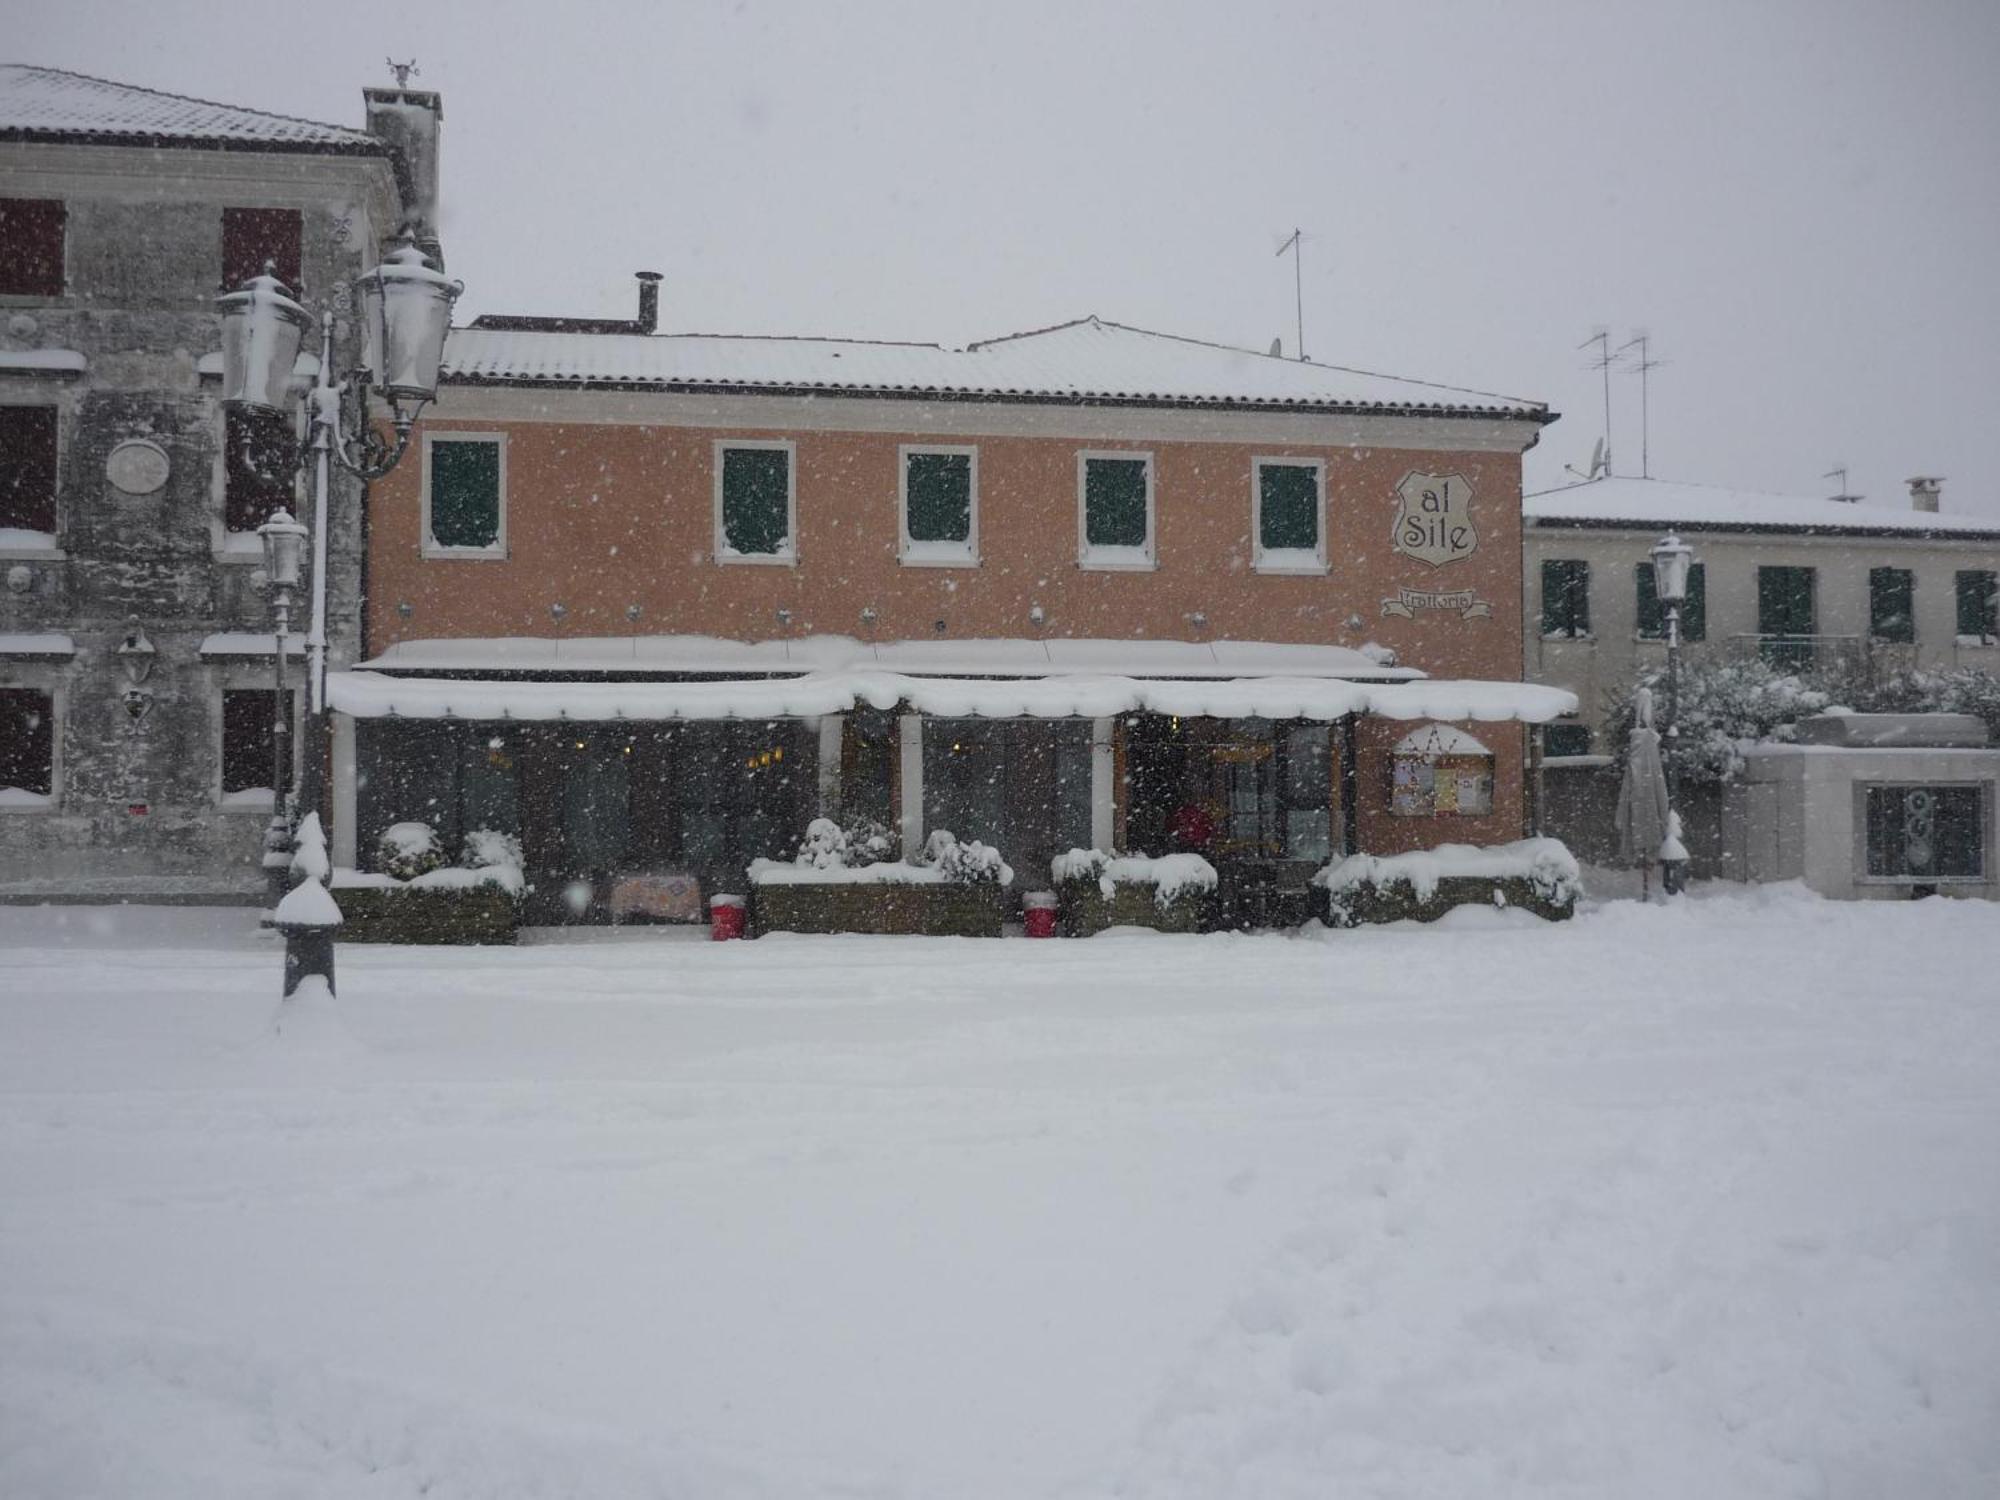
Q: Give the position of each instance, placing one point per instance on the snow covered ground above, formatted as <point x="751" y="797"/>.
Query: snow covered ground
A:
<point x="1479" y="1210"/>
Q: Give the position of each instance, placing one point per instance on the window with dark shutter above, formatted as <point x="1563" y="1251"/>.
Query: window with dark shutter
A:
<point x="252" y="236"/>
<point x="1565" y="598"/>
<point x="464" y="494"/>
<point x="1978" y="592"/>
<point x="247" y="739"/>
<point x="259" y="466"/>
<point x="31" y="246"/>
<point x="1115" y="502"/>
<point x="28" y="468"/>
<point x="937" y="498"/>
<point x="27" y="741"/>
<point x="1288" y="513"/>
<point x="1653" y="616"/>
<point x="756" y="503"/>
<point x="1892" y="604"/>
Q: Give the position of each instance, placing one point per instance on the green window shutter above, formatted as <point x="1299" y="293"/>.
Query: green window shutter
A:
<point x="1114" y="502"/>
<point x="1288" y="507"/>
<point x="465" y="493"/>
<point x="1891" y="600"/>
<point x="1977" y="603"/>
<point x="1652" y="618"/>
<point x="756" y="500"/>
<point x="1565" y="597"/>
<point x="1694" y="612"/>
<point x="1785" y="601"/>
<point x="937" y="489"/>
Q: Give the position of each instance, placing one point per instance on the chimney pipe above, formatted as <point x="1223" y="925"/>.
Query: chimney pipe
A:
<point x="649" y="304"/>
<point x="408" y="120"/>
<point x="1924" y="491"/>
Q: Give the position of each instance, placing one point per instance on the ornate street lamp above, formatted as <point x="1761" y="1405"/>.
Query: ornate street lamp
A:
<point x="284" y="541"/>
<point x="405" y="314"/>
<point x="1673" y="560"/>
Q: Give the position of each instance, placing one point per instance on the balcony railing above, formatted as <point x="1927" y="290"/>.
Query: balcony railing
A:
<point x="1805" y="653"/>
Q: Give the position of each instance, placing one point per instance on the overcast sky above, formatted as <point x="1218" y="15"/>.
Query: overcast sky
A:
<point x="1799" y="201"/>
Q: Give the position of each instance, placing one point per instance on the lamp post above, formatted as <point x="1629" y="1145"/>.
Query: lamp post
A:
<point x="282" y="538"/>
<point x="405" y="312"/>
<point x="1673" y="559"/>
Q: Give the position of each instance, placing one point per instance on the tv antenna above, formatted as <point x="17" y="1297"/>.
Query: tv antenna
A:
<point x="1295" y="243"/>
<point x="1642" y="366"/>
<point x="403" y="71"/>
<point x="1839" y="471"/>
<point x="1597" y="457"/>
<point x="1602" y="338"/>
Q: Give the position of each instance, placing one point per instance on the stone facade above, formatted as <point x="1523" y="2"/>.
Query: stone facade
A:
<point x="137" y="807"/>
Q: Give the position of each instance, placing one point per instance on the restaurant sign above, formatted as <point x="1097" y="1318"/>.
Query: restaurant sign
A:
<point x="1434" y="518"/>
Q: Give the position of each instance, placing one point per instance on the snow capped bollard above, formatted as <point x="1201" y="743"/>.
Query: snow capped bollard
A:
<point x="1038" y="914"/>
<point x="308" y="916"/>
<point x="725" y="917"/>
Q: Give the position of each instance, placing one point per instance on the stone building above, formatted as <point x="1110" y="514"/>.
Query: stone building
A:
<point x="136" y="724"/>
<point x="652" y="601"/>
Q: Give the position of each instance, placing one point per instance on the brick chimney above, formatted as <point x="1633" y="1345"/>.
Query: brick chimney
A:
<point x="1924" y="491"/>
<point x="408" y="120"/>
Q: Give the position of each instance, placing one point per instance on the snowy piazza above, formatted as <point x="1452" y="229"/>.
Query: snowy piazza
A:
<point x="1057" y="813"/>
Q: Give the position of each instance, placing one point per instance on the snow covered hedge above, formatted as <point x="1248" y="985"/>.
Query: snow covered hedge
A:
<point x="417" y="898"/>
<point x="1539" y="875"/>
<point x="837" y="883"/>
<point x="1097" y="890"/>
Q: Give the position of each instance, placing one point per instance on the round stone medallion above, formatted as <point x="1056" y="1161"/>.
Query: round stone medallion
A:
<point x="138" y="467"/>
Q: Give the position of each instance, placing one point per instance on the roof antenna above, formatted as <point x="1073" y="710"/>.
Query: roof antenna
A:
<point x="402" y="70"/>
<point x="1296" y="244"/>
<point x="1597" y="471"/>
<point x="1641" y="366"/>
<point x="1839" y="471"/>
<point x="1602" y="338"/>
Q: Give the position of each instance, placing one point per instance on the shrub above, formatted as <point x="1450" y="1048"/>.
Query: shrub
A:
<point x="969" y="863"/>
<point x="489" y="848"/>
<point x="407" y="850"/>
<point x="824" y="847"/>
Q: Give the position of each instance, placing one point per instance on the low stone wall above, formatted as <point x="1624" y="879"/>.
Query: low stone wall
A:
<point x="940" y="909"/>
<point x="480" y="914"/>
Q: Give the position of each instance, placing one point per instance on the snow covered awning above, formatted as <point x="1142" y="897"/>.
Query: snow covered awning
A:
<point x="249" y="643"/>
<point x="373" y="695"/>
<point x="39" y="643"/>
<point x="840" y="653"/>
<point x="42" y="362"/>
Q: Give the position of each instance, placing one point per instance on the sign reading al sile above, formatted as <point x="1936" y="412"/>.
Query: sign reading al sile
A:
<point x="1434" y="518"/>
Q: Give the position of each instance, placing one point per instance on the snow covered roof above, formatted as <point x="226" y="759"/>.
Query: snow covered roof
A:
<point x="1652" y="503"/>
<point x="1089" y="360"/>
<point x="834" y="653"/>
<point x="373" y="695"/>
<point x="56" y="103"/>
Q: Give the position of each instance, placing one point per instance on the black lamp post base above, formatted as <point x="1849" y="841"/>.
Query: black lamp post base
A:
<point x="308" y="953"/>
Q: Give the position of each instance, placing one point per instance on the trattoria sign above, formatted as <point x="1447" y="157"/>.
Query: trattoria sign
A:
<point x="1434" y="518"/>
<point x="1462" y="603"/>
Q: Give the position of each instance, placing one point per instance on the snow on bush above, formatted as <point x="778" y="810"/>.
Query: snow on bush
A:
<point x="824" y="847"/>
<point x="1724" y="705"/>
<point x="407" y="850"/>
<point x="969" y="863"/>
<point x="1171" y="875"/>
<point x="490" y="849"/>
<point x="868" y="842"/>
<point x="1546" y="864"/>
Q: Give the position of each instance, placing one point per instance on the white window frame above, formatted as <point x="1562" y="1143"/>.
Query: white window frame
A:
<point x="915" y="554"/>
<point x="1141" y="559"/>
<point x="428" y="545"/>
<point x="57" y="689"/>
<point x="1281" y="561"/>
<point x="789" y="557"/>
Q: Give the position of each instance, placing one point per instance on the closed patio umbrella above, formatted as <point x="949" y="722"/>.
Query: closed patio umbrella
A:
<point x="1642" y="795"/>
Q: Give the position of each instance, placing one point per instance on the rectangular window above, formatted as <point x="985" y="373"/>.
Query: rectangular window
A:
<point x="259" y="468"/>
<point x="246" y="739"/>
<point x="1565" y="598"/>
<point x="1926" y="832"/>
<point x="1567" y="739"/>
<point x="28" y="469"/>
<point x="1307" y="770"/>
<point x="1115" y="510"/>
<point x="253" y="236"/>
<point x="1978" y="606"/>
<point x="940" y="505"/>
<point x="1289" y="505"/>
<point x="1694" y="608"/>
<point x="1785" y="615"/>
<point x="465" y="490"/>
<point x="31" y="246"/>
<point x="1892" y="596"/>
<point x="27" y="746"/>
<point x="755" y="502"/>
